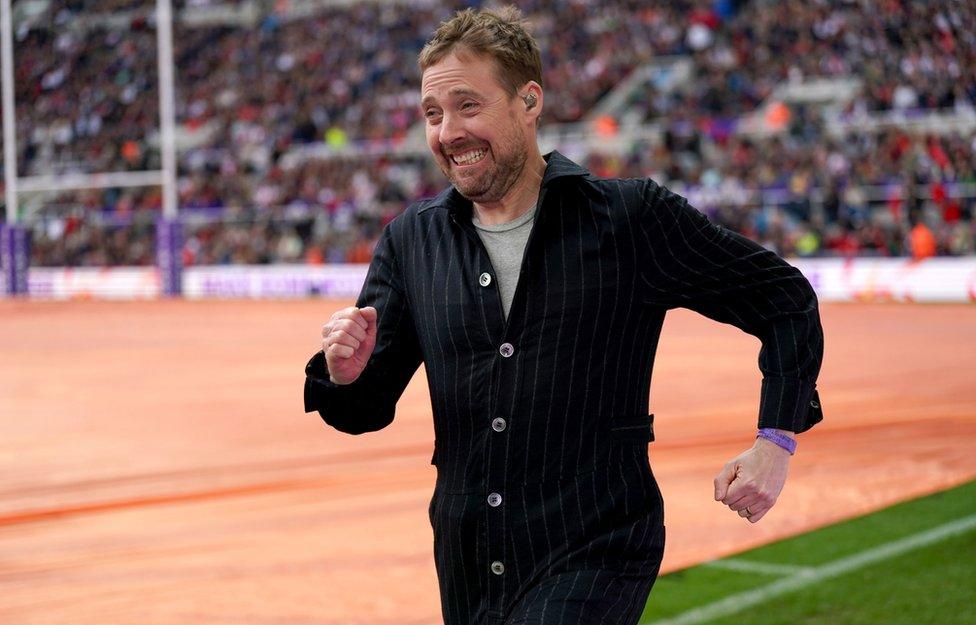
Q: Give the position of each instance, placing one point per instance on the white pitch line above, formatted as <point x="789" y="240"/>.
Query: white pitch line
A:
<point x="741" y="601"/>
<point x="766" y="568"/>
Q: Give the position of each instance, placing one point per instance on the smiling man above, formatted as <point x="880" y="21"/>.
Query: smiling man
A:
<point x="534" y="293"/>
<point x="479" y="124"/>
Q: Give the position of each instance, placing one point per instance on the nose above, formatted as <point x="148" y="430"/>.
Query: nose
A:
<point x="451" y="129"/>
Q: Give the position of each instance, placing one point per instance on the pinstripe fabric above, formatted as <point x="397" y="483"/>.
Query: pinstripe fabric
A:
<point x="579" y="527"/>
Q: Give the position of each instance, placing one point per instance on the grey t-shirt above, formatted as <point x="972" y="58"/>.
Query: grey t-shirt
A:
<point x="505" y="244"/>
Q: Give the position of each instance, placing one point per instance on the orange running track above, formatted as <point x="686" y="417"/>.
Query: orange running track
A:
<point x="156" y="466"/>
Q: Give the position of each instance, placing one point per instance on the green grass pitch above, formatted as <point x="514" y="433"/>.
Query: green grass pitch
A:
<point x="911" y="564"/>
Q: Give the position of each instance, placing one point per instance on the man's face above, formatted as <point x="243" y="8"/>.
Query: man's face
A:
<point x="475" y="131"/>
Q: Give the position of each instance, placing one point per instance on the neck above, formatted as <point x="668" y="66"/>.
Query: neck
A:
<point x="519" y="199"/>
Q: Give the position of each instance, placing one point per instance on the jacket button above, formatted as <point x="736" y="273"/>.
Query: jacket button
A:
<point x="497" y="567"/>
<point x="484" y="279"/>
<point x="494" y="500"/>
<point x="498" y="424"/>
<point x="506" y="350"/>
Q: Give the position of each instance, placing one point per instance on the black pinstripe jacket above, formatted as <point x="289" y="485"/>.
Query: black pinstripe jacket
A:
<point x="541" y="421"/>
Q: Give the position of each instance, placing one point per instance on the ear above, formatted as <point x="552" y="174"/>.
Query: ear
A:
<point x="531" y="95"/>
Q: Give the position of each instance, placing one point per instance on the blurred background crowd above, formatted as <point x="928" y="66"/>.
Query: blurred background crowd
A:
<point x="294" y="116"/>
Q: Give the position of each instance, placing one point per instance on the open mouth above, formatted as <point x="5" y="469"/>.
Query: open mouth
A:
<point x="470" y="157"/>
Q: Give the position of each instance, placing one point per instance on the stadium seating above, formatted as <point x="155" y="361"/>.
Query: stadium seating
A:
<point x="296" y="119"/>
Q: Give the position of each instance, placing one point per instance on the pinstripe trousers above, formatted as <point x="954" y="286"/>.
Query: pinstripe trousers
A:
<point x="545" y="508"/>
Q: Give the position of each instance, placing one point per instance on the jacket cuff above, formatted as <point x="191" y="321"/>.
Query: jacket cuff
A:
<point x="316" y="369"/>
<point x="353" y="408"/>
<point x="316" y="379"/>
<point x="789" y="404"/>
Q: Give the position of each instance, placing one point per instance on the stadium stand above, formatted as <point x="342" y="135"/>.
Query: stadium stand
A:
<point x="836" y="127"/>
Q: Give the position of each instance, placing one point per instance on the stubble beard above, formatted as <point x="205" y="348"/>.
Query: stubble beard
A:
<point x="493" y="183"/>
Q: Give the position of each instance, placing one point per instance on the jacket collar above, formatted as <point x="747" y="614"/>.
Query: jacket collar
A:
<point x="557" y="166"/>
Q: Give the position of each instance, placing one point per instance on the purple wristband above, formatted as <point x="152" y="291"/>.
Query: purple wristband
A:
<point x="779" y="438"/>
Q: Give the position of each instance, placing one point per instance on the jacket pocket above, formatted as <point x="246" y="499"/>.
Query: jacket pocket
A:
<point x="639" y="430"/>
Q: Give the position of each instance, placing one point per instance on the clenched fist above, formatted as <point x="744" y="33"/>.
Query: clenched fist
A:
<point x="348" y="340"/>
<point x="750" y="483"/>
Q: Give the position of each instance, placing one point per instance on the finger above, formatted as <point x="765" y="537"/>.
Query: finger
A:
<point x="752" y="497"/>
<point x="738" y="490"/>
<point x="370" y="315"/>
<point x="722" y="481"/>
<point x="340" y="351"/>
<point x="758" y="515"/>
<point x="746" y="501"/>
<point x="735" y="496"/>
<point x="741" y="494"/>
<point x="341" y="337"/>
<point x="751" y="511"/>
<point x="350" y="327"/>
<point x="326" y="329"/>
<point x="352" y="313"/>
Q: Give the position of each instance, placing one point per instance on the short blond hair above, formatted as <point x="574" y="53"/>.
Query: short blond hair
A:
<point x="500" y="36"/>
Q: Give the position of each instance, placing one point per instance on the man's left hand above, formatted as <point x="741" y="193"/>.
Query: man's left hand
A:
<point x="750" y="483"/>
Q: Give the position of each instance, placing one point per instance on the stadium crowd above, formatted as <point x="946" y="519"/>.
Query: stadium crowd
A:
<point x="908" y="54"/>
<point x="346" y="76"/>
<point x="87" y="99"/>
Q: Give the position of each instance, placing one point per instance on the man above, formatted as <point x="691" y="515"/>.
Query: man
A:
<point x="534" y="293"/>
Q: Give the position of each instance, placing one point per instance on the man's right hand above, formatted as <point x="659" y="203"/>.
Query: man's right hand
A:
<point x="348" y="340"/>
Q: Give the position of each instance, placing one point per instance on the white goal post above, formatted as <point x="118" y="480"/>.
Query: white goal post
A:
<point x="14" y="255"/>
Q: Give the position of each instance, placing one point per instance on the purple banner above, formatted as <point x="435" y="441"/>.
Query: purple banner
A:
<point x="282" y="281"/>
<point x="169" y="243"/>
<point x="14" y="258"/>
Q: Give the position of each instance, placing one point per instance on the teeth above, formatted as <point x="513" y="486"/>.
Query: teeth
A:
<point x="469" y="157"/>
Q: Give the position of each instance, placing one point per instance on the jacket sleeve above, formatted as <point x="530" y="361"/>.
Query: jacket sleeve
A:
<point x="692" y="263"/>
<point x="369" y="403"/>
